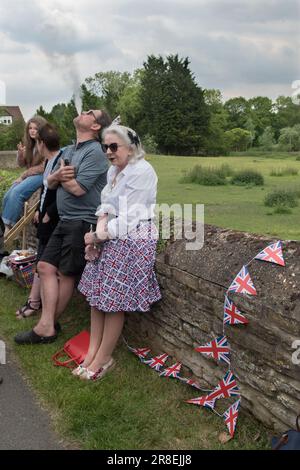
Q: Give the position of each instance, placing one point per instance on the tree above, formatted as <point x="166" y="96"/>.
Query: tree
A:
<point x="61" y="116"/>
<point x="260" y="113"/>
<point x="108" y="87"/>
<point x="90" y="100"/>
<point x="129" y="105"/>
<point x="238" y="112"/>
<point x="174" y="110"/>
<point x="238" y="139"/>
<point x="289" y="138"/>
<point x="11" y="135"/>
<point x="249" y="126"/>
<point x="267" y="139"/>
<point x="216" y="143"/>
<point x="286" y="114"/>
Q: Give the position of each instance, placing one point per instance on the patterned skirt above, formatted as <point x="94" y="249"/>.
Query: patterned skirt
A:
<point x="122" y="278"/>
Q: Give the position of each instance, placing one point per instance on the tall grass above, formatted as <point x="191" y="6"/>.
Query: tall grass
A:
<point x="207" y="176"/>
<point x="248" y="177"/>
<point x="288" y="171"/>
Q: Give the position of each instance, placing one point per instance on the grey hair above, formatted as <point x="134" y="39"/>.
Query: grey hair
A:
<point x="129" y="137"/>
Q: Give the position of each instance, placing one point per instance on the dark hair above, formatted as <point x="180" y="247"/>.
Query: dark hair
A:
<point x="49" y="135"/>
<point x="104" y="120"/>
<point x="29" y="143"/>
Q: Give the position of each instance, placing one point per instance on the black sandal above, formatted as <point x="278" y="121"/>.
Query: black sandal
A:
<point x="28" y="307"/>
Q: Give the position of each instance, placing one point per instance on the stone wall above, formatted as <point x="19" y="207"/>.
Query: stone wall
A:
<point x="190" y="314"/>
<point x="8" y="159"/>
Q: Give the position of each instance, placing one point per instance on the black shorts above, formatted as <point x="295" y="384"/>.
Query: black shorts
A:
<point x="65" y="249"/>
<point x="40" y="250"/>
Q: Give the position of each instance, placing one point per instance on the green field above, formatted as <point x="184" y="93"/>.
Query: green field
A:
<point x="131" y="408"/>
<point x="230" y="206"/>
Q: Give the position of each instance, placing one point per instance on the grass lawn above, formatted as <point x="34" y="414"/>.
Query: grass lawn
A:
<point x="132" y="408"/>
<point x="231" y="206"/>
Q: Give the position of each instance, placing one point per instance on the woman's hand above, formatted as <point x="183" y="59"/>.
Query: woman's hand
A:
<point x="36" y="217"/>
<point x="89" y="238"/>
<point x="21" y="148"/>
<point x="91" y="253"/>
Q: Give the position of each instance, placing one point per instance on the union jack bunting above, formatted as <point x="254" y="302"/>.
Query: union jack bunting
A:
<point x="243" y="283"/>
<point x="231" y="415"/>
<point x="232" y="315"/>
<point x="218" y="348"/>
<point x="272" y="254"/>
<point x="227" y="387"/>
<point x="156" y="362"/>
<point x="172" y="371"/>
<point x="140" y="352"/>
<point x="191" y="382"/>
<point x="203" y="401"/>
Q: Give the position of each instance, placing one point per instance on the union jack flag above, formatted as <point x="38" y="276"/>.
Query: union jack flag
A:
<point x="172" y="371"/>
<point x="140" y="352"/>
<point x="156" y="362"/>
<point x="191" y="382"/>
<point x="232" y="315"/>
<point x="272" y="254"/>
<point x="205" y="401"/>
<point x="218" y="348"/>
<point x="231" y="415"/>
<point x="227" y="387"/>
<point x="243" y="283"/>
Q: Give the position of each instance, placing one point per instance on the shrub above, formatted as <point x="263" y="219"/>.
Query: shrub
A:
<point x="206" y="176"/>
<point x="282" y="210"/>
<point x="281" y="198"/>
<point x="288" y="171"/>
<point x="248" y="177"/>
<point x="6" y="180"/>
<point x="150" y="145"/>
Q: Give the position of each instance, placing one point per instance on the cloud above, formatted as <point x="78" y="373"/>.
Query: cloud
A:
<point x="239" y="46"/>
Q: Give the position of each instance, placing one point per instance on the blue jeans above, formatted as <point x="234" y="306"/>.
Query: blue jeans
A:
<point x="14" y="198"/>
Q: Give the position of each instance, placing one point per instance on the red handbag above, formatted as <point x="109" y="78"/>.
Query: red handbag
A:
<point x="75" y="348"/>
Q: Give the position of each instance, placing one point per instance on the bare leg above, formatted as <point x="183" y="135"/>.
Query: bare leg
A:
<point x="35" y="293"/>
<point x="49" y="291"/>
<point x="97" y="325"/>
<point x="34" y="298"/>
<point x="65" y="292"/>
<point x="113" y="325"/>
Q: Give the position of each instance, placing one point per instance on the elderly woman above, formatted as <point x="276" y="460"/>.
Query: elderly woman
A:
<point x="119" y="276"/>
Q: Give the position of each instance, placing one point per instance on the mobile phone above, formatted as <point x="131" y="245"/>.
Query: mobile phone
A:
<point x="67" y="162"/>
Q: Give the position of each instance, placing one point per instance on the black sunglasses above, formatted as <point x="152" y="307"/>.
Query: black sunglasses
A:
<point x="112" y="147"/>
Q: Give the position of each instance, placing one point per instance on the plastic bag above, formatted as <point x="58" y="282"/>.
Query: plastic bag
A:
<point x="5" y="267"/>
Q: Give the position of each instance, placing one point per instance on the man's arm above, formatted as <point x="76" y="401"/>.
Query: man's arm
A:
<point x="73" y="187"/>
<point x="65" y="176"/>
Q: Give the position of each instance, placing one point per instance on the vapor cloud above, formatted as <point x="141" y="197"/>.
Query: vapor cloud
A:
<point x="241" y="47"/>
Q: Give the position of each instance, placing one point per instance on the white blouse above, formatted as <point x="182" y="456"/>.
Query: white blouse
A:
<point x="128" y="197"/>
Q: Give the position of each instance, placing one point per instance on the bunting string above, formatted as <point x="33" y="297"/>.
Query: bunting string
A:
<point x="218" y="348"/>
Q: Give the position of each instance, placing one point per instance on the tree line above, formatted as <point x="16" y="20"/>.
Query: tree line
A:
<point x="174" y="115"/>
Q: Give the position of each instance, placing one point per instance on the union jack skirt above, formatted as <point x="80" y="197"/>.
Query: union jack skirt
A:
<point x="122" y="278"/>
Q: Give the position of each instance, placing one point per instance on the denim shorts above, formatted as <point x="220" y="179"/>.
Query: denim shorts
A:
<point x="65" y="248"/>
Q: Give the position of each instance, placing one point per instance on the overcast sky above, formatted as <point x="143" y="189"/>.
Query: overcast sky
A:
<point x="242" y="47"/>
